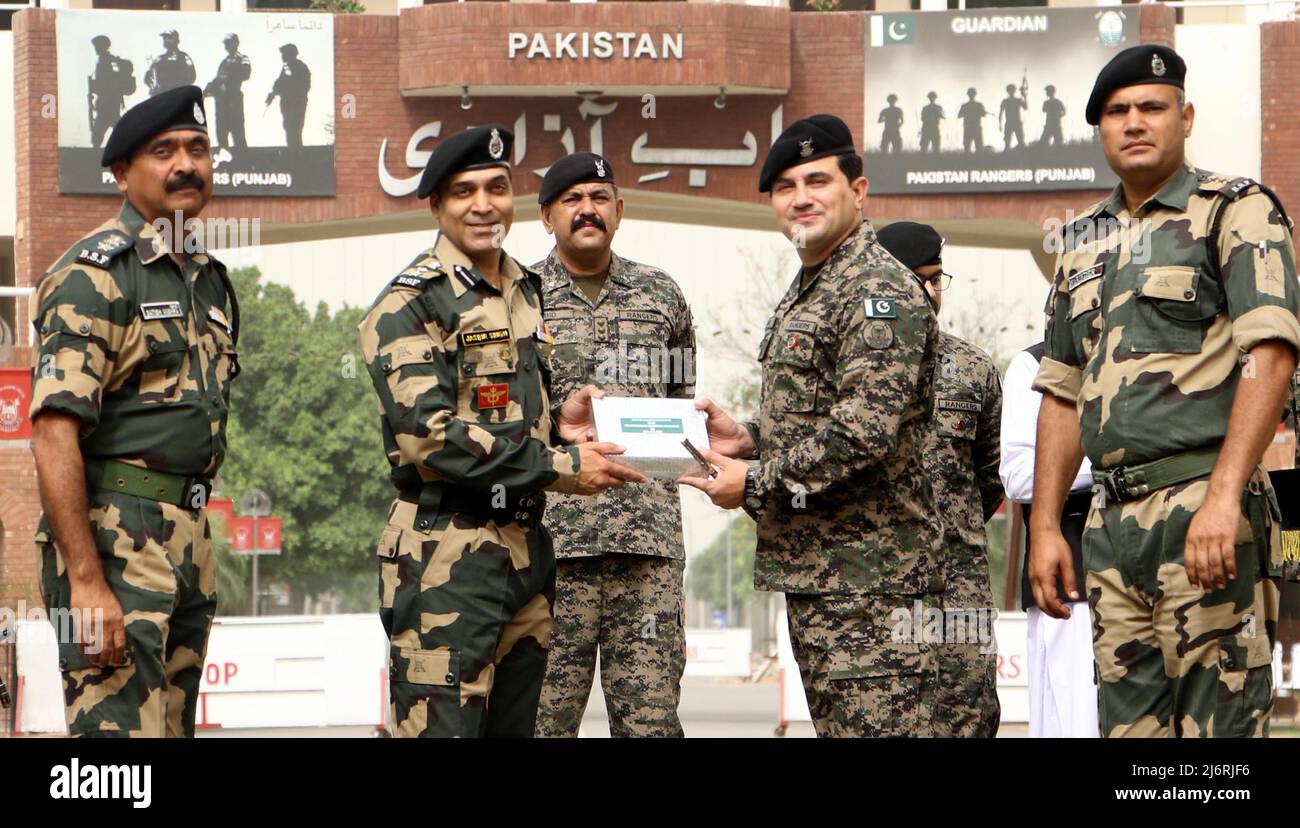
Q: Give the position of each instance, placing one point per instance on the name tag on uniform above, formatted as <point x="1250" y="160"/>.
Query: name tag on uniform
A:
<point x="473" y="339"/>
<point x="640" y="316"/>
<point x="160" y="310"/>
<point x="1086" y="275"/>
<point x="957" y="405"/>
<point x="493" y="396"/>
<point x="880" y="308"/>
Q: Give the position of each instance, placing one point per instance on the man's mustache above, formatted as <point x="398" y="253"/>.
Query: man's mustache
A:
<point x="584" y="221"/>
<point x="184" y="180"/>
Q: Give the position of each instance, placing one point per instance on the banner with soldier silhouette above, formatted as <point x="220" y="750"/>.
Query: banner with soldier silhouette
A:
<point x="267" y="80"/>
<point x="989" y="100"/>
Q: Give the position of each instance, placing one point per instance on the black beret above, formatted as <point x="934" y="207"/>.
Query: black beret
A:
<point x="472" y="149"/>
<point x="1136" y="65"/>
<point x="808" y="139"/>
<point x="915" y="245"/>
<point x="575" y="168"/>
<point x="179" y="108"/>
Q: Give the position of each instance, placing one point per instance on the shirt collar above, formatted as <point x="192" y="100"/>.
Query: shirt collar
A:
<point x="464" y="274"/>
<point x="150" y="246"/>
<point x="1174" y="195"/>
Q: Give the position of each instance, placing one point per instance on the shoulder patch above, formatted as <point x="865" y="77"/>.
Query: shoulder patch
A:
<point x="417" y="274"/>
<point x="99" y="250"/>
<point x="880" y="308"/>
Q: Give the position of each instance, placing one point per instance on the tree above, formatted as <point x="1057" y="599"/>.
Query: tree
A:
<point x="706" y="576"/>
<point x="304" y="428"/>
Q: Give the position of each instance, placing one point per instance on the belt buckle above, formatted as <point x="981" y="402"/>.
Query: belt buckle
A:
<point x="1117" y="488"/>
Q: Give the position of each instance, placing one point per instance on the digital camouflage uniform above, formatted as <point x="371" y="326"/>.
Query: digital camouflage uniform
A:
<point x="143" y="354"/>
<point x="848" y="529"/>
<point x="620" y="554"/>
<point x="961" y="459"/>
<point x="466" y="574"/>
<point x="1151" y="352"/>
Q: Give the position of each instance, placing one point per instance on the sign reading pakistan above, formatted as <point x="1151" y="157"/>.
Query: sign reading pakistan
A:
<point x="267" y="80"/>
<point x="1000" y="104"/>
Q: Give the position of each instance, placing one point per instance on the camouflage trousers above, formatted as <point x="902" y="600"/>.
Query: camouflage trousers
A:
<point x="158" y="562"/>
<point x="862" y="675"/>
<point x="630" y="609"/>
<point x="467" y="610"/>
<point x="1173" y="659"/>
<point x="967" y="699"/>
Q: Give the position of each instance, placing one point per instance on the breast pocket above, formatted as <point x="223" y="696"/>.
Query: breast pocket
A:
<point x="956" y="419"/>
<point x="794" y="375"/>
<point x="164" y="363"/>
<point x="1171" y="311"/>
<point x="1085" y="315"/>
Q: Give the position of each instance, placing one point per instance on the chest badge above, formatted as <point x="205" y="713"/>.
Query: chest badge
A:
<point x="496" y="395"/>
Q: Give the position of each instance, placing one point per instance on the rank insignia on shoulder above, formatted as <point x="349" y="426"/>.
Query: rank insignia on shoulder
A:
<point x="493" y="396"/>
<point x="880" y="308"/>
<point x="160" y="310"/>
<point x="1086" y="275"/>
<point x="464" y="274"/>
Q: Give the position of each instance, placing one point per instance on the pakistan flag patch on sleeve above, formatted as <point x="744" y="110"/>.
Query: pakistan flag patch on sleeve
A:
<point x="880" y="308"/>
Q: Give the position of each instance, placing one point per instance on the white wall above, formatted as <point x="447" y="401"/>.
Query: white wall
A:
<point x="1223" y="85"/>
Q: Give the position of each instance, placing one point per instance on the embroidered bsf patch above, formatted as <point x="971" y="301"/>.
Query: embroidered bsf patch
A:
<point x="160" y="310"/>
<point x="473" y="339"/>
<point x="493" y="396"/>
<point x="94" y="257"/>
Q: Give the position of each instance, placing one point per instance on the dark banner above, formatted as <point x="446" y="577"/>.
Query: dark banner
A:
<point x="986" y="101"/>
<point x="267" y="79"/>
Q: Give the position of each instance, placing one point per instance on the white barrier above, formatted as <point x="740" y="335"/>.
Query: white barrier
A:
<point x="1013" y="681"/>
<point x="719" y="652"/>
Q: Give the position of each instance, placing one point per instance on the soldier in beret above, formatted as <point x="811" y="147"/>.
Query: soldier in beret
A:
<point x="136" y="329"/>
<point x="846" y="520"/>
<point x="626" y="328"/>
<point x="961" y="458"/>
<point x="1171" y="335"/>
<point x="460" y="359"/>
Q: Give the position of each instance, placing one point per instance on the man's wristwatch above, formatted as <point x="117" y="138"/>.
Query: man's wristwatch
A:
<point x="753" y="502"/>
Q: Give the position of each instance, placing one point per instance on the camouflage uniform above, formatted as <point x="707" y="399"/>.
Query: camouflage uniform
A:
<point x="848" y="528"/>
<point x="466" y="574"/>
<point x="143" y="354"/>
<point x="1152" y="354"/>
<point x="620" y="553"/>
<point x="961" y="458"/>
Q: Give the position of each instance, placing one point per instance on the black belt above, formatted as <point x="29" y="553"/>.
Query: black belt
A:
<point x="434" y="498"/>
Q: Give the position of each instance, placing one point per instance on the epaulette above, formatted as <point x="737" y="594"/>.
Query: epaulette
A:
<point x="99" y="249"/>
<point x="418" y="273"/>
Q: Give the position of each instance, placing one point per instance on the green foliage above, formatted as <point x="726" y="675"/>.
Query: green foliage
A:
<point x="706" y="575"/>
<point x="339" y="6"/>
<point x="232" y="578"/>
<point x="304" y="429"/>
